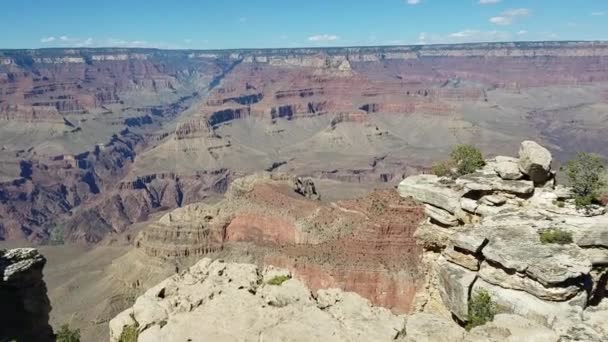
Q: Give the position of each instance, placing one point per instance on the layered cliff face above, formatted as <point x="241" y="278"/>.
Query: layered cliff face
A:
<point x="81" y="130"/>
<point x="23" y="298"/>
<point x="484" y="235"/>
<point x="364" y="245"/>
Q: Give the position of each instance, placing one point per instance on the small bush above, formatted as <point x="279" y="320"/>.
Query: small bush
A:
<point x="278" y="280"/>
<point x="130" y="333"/>
<point x="559" y="203"/>
<point x="481" y="310"/>
<point x="65" y="334"/>
<point x="443" y="169"/>
<point x="585" y="174"/>
<point x="467" y="158"/>
<point x="557" y="236"/>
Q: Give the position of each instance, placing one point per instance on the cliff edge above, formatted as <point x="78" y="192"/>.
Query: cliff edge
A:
<point x="25" y="306"/>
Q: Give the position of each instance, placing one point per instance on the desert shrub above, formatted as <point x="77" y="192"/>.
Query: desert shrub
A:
<point x="481" y="309"/>
<point x="556" y="236"/>
<point x="65" y="334"/>
<point x="130" y="333"/>
<point x="585" y="174"/>
<point x="278" y="280"/>
<point x="443" y="169"/>
<point x="467" y="158"/>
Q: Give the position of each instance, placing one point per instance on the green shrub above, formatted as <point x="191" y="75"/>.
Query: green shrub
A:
<point x="585" y="174"/>
<point x="130" y="333"/>
<point x="557" y="236"/>
<point x="443" y="169"/>
<point x="467" y="158"/>
<point x="278" y="280"/>
<point x="65" y="334"/>
<point x="481" y="309"/>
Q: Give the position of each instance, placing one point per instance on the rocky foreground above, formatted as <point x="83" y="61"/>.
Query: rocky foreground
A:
<point x="24" y="305"/>
<point x="218" y="301"/>
<point x="482" y="235"/>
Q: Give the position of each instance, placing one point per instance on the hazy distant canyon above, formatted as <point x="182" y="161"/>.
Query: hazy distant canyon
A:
<point x="95" y="140"/>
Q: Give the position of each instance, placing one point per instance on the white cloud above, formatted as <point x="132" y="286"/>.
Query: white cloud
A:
<point x="522" y="32"/>
<point x="64" y="38"/>
<point x="597" y="14"/>
<point x="47" y="39"/>
<point x="323" y="38"/>
<point x="188" y="41"/>
<point x="413" y="2"/>
<point x="464" y="36"/>
<point x="488" y="2"/>
<point x="509" y="16"/>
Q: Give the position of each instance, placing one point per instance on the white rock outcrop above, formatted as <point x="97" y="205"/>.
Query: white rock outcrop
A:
<point x="496" y="246"/>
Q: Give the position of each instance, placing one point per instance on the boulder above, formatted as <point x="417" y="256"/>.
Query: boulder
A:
<point x="465" y="260"/>
<point x="555" y="315"/>
<point x="535" y="162"/>
<point x="511" y="328"/>
<point x="508" y="168"/>
<point x="495" y="200"/>
<point x="428" y="189"/>
<point x="517" y="281"/>
<point x="454" y="287"/>
<point x="306" y="187"/>
<point x="424" y="327"/>
<point x="518" y="248"/>
<point x="486" y="182"/>
<point x="441" y="216"/>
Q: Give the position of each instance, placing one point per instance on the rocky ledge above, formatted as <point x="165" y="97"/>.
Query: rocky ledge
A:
<point x="219" y="301"/>
<point x="24" y="304"/>
<point x="483" y="234"/>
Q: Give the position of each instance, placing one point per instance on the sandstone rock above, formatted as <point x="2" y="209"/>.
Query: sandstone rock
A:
<point x="487" y="182"/>
<point x="495" y="200"/>
<point x="472" y="240"/>
<point x="520" y="282"/>
<point x="23" y="297"/>
<point x="535" y="161"/>
<point x="306" y="187"/>
<point x="555" y="315"/>
<point x="441" y="216"/>
<point x="511" y="328"/>
<point x="465" y="260"/>
<point x="508" y="168"/>
<point x="455" y="284"/>
<point x="433" y="237"/>
<point x="427" y="189"/>
<point x="289" y="292"/>
<point x="216" y="301"/>
<point x="518" y="248"/>
<point x="423" y="327"/>
<point x="469" y="204"/>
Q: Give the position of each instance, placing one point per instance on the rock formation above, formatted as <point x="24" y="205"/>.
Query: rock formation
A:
<point x="24" y="305"/>
<point x="306" y="187"/>
<point x="364" y="245"/>
<point x="483" y="234"/>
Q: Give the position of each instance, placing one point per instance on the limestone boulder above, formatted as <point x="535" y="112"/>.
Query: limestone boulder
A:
<point x="486" y="182"/>
<point x="429" y="189"/>
<point x="441" y="216"/>
<point x="508" y="168"/>
<point x="454" y="287"/>
<point x="555" y="315"/>
<point x="535" y="161"/>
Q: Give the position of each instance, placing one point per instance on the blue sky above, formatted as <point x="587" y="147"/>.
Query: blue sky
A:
<point x="216" y="24"/>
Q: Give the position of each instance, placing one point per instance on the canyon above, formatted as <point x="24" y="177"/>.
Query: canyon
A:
<point x="127" y="166"/>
